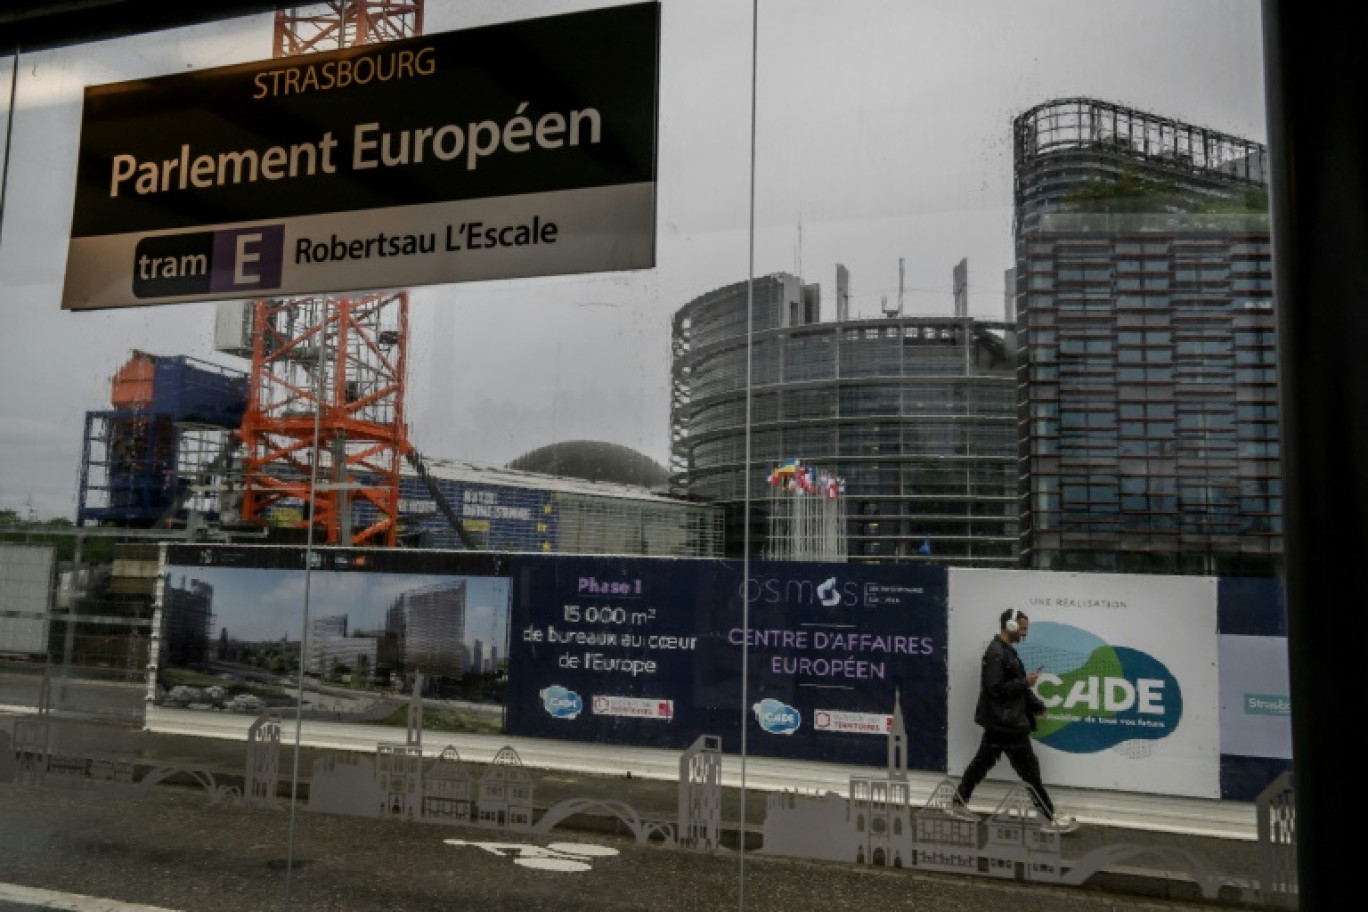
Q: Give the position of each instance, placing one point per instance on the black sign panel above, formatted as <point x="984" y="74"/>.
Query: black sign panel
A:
<point x="527" y="148"/>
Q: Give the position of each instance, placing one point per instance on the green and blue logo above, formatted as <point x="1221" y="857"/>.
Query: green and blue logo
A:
<point x="1097" y="695"/>
<point x="776" y="717"/>
<point x="561" y="702"/>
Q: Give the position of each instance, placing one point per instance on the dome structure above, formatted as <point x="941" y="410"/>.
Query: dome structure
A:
<point x="593" y="460"/>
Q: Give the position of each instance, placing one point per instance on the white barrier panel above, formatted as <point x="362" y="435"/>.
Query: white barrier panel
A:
<point x="1127" y="673"/>
<point x="25" y="584"/>
<point x="1256" y="708"/>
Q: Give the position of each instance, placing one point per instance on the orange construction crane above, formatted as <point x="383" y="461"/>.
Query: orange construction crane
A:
<point x="345" y="23"/>
<point x="324" y="430"/>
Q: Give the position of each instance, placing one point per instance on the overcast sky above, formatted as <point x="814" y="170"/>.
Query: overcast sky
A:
<point x="883" y="132"/>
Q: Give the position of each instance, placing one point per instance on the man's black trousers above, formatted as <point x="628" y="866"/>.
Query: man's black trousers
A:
<point x="1023" y="760"/>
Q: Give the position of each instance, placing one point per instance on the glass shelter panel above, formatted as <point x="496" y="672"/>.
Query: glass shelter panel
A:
<point x="959" y="328"/>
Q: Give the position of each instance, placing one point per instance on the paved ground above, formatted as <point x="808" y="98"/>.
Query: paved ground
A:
<point x="170" y="847"/>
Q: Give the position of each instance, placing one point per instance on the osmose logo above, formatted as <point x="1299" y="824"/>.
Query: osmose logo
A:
<point x="800" y="592"/>
<point x="777" y="718"/>
<point x="1098" y="695"/>
<point x="561" y="702"/>
<point x="204" y="262"/>
<point x="827" y="594"/>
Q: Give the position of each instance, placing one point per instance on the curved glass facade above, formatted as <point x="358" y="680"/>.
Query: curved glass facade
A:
<point x="916" y="413"/>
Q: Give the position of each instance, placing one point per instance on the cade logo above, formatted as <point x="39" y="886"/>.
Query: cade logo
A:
<point x="561" y="703"/>
<point x="1098" y="695"/>
<point x="777" y="718"/>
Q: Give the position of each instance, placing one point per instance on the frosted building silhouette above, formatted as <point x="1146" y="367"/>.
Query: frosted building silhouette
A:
<point x="397" y="781"/>
<point x="700" y="794"/>
<point x="879" y="825"/>
<point x="261" y="779"/>
<point x="448" y="790"/>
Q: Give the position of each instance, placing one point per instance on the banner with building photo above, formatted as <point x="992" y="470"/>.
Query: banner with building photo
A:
<point x="1128" y="673"/>
<point x="235" y="633"/>
<point x="510" y="150"/>
<point x="658" y="652"/>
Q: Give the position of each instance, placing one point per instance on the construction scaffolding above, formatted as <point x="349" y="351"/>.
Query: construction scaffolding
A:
<point x="345" y="23"/>
<point x="324" y="426"/>
<point x="159" y="457"/>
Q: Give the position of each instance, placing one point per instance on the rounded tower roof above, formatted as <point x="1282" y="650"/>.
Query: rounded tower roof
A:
<point x="593" y="460"/>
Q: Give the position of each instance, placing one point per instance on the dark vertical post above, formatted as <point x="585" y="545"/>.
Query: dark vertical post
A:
<point x="1318" y="130"/>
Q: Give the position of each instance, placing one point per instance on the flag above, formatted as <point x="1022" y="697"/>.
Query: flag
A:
<point x="925" y="546"/>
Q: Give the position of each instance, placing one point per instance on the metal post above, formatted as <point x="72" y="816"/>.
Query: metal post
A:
<point x="1318" y="136"/>
<point x="68" y="647"/>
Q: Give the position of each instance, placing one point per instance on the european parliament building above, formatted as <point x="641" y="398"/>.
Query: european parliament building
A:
<point x="917" y="414"/>
<point x="1145" y="315"/>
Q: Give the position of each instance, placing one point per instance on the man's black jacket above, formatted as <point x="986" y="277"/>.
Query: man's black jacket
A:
<point x="1006" y="703"/>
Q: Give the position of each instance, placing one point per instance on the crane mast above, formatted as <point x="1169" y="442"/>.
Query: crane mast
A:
<point x="324" y="433"/>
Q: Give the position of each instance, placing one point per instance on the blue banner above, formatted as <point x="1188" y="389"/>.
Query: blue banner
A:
<point x="812" y="659"/>
<point x="829" y="649"/>
<point x="496" y="517"/>
<point x="605" y="649"/>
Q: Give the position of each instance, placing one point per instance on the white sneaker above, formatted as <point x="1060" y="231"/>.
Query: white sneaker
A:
<point x="1061" y="824"/>
<point x="957" y="810"/>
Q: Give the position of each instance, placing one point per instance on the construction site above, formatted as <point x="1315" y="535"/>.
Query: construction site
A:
<point x="296" y="433"/>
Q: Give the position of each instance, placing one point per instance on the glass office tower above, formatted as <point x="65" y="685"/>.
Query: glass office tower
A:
<point x="1145" y="319"/>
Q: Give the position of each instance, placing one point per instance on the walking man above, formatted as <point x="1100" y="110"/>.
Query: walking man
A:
<point x="1007" y="710"/>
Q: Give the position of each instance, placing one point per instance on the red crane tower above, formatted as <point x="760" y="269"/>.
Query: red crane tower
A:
<point x="324" y="431"/>
<point x="345" y="23"/>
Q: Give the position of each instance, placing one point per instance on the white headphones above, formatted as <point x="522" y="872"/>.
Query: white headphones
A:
<point x="1011" y="625"/>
